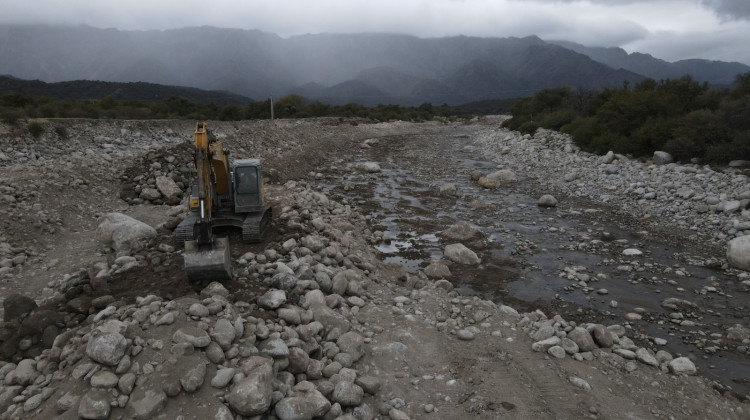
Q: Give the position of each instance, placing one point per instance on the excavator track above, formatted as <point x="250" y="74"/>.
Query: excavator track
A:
<point x="255" y="226"/>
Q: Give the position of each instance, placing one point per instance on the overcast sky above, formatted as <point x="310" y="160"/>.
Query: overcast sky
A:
<point x="668" y="29"/>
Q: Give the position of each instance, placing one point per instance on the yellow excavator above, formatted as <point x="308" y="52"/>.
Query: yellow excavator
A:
<point x="220" y="197"/>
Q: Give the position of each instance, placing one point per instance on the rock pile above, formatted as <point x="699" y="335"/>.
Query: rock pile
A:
<point x="560" y="338"/>
<point x="293" y="352"/>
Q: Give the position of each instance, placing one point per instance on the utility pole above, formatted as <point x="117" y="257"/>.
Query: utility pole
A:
<point x="271" y="107"/>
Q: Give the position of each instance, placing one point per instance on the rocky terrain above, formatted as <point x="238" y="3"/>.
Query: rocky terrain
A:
<point x="320" y="321"/>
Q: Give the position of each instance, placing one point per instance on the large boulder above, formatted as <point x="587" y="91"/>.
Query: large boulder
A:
<point x="123" y="233"/>
<point x="252" y="396"/>
<point x="503" y="176"/>
<point x="461" y="231"/>
<point x="17" y="306"/>
<point x="169" y="189"/>
<point x="107" y="349"/>
<point x="329" y="318"/>
<point x="371" y="167"/>
<point x="460" y="254"/>
<point x="662" y="158"/>
<point x="738" y="253"/>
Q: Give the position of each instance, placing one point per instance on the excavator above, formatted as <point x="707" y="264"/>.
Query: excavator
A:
<point x="220" y="197"/>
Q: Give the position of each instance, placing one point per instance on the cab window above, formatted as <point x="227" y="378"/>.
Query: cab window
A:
<point x="246" y="180"/>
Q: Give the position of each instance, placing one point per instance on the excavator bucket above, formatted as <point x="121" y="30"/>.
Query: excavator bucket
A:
<point x="208" y="263"/>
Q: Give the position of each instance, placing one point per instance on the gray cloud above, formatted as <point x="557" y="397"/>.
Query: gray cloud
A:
<point x="730" y="9"/>
<point x="717" y="29"/>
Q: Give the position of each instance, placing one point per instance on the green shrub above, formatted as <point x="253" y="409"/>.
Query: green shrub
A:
<point x="35" y="129"/>
<point x="738" y="148"/>
<point x="529" y="127"/>
<point x="10" y="116"/>
<point x="61" y="132"/>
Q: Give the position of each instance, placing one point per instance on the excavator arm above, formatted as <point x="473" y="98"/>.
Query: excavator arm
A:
<point x="206" y="257"/>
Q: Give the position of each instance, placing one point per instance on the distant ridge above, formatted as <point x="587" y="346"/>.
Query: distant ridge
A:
<point x="368" y="69"/>
<point x="132" y="91"/>
<point x="713" y="72"/>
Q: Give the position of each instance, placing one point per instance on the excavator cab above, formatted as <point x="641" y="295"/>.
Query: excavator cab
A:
<point x="248" y="186"/>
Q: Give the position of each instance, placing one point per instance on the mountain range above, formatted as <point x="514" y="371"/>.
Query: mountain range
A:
<point x="333" y="68"/>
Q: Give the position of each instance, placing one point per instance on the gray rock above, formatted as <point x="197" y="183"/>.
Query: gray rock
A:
<point x="625" y="354"/>
<point x="608" y="158"/>
<point x="193" y="379"/>
<point x="191" y="335"/>
<point x="223" y="413"/>
<point x="272" y="299"/>
<point x="543" y="333"/>
<point x="198" y="310"/>
<point x="738" y="252"/>
<point x="168" y="188"/>
<point x="545" y="344"/>
<point x="682" y="366"/>
<point x="580" y="383"/>
<point x="486" y="183"/>
<point x="290" y="315"/>
<point x="150" y="194"/>
<point x="461" y="232"/>
<point x="122" y="232"/>
<point x="94" y="405"/>
<point x="214" y="353"/>
<point x="557" y="352"/>
<point x="17" y="306"/>
<point x="66" y="402"/>
<point x="662" y="158"/>
<point x="347" y="394"/>
<point x="107" y="348"/>
<point x="145" y="403"/>
<point x="223" y="377"/>
<point x="126" y="383"/>
<point x="644" y="356"/>
<point x="447" y="189"/>
<point x="465" y="335"/>
<point x="503" y="176"/>
<point x="329" y="318"/>
<point x="294" y="408"/>
<point x="602" y="336"/>
<point x="547" y="201"/>
<point x="739" y="164"/>
<point x="460" y="254"/>
<point x="569" y="345"/>
<point x="371" y="167"/>
<point x="284" y="281"/>
<point x="36" y="400"/>
<point x="353" y="344"/>
<point x="298" y="360"/>
<point x="25" y="372"/>
<point x="252" y="395"/>
<point x="663" y="356"/>
<point x="275" y="348"/>
<point x="437" y="270"/>
<point x="223" y="333"/>
<point x="104" y="379"/>
<point x="677" y="304"/>
<point x="214" y="289"/>
<point x="582" y="338"/>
